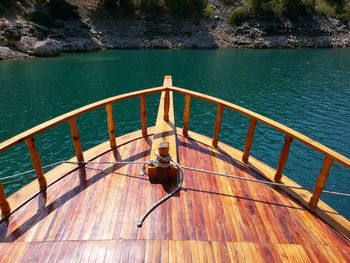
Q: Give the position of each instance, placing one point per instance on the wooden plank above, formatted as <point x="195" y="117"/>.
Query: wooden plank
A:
<point x="143" y="115"/>
<point x="283" y="158"/>
<point x="323" y="211"/>
<point x="76" y="139"/>
<point x="321" y="181"/>
<point x="111" y="126"/>
<point x="26" y="193"/>
<point x="168" y="83"/>
<point x="217" y="125"/>
<point x="187" y="112"/>
<point x="249" y="140"/>
<point x="34" y="155"/>
<point x="164" y="131"/>
<point x="221" y="194"/>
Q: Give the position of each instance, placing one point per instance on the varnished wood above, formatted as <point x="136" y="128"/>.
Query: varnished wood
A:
<point x="164" y="131"/>
<point x="323" y="211"/>
<point x="283" y="158"/>
<point x="136" y="251"/>
<point x="212" y="219"/>
<point x="75" y="113"/>
<point x="34" y="155"/>
<point x="20" y="197"/>
<point x="111" y="126"/>
<point x="186" y="116"/>
<point x="76" y="139"/>
<point x="168" y="83"/>
<point x="143" y="115"/>
<point x="275" y="125"/>
<point x="321" y="181"/>
<point x="249" y="140"/>
<point x="4" y="205"/>
<point x="166" y="106"/>
<point x="217" y="125"/>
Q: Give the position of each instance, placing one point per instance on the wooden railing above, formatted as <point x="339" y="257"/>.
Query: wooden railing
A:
<point x="71" y="117"/>
<point x="290" y="134"/>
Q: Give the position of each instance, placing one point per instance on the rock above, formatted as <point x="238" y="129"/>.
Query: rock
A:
<point x="26" y="44"/>
<point x="3" y="41"/>
<point x="4" y="24"/>
<point x="12" y="34"/>
<point x="7" y="53"/>
<point x="47" y="48"/>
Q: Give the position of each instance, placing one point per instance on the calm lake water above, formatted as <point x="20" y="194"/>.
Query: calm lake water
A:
<point x="307" y="90"/>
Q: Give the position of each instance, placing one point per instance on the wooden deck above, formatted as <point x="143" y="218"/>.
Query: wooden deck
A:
<point x="93" y="216"/>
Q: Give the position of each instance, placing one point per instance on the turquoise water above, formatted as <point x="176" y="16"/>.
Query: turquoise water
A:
<point x="307" y="90"/>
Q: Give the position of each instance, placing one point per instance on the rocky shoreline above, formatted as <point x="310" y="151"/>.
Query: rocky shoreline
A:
<point x="21" y="39"/>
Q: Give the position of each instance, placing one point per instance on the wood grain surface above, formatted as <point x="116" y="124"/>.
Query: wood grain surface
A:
<point x="92" y="216"/>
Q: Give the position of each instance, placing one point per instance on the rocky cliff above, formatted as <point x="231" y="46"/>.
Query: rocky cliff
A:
<point x="98" y="28"/>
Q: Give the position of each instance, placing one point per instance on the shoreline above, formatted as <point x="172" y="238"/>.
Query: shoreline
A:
<point x="22" y="39"/>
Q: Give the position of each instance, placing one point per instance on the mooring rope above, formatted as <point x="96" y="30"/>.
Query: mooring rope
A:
<point x="30" y="171"/>
<point x="19" y="180"/>
<point x="180" y="179"/>
<point x="153" y="162"/>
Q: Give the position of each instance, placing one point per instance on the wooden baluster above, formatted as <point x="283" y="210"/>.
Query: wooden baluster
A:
<point x="283" y="158"/>
<point x="110" y="124"/>
<point x="217" y="126"/>
<point x="76" y="139"/>
<point x="321" y="182"/>
<point x="36" y="162"/>
<point x="249" y="140"/>
<point x="186" y="114"/>
<point x="143" y="115"/>
<point x="4" y="205"/>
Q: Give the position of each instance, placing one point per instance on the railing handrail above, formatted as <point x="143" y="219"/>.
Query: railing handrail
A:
<point x="273" y="124"/>
<point x="9" y="143"/>
<point x="256" y="116"/>
<point x="70" y="117"/>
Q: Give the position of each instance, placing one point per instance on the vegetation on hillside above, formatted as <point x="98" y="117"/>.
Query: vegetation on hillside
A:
<point x="339" y="9"/>
<point x="177" y="7"/>
<point x="46" y="12"/>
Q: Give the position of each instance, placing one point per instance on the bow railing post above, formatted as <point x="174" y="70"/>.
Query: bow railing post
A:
<point x="143" y="115"/>
<point x="249" y="140"/>
<point x="217" y="125"/>
<point x="321" y="182"/>
<point x="110" y="125"/>
<point x="34" y="155"/>
<point x="283" y="158"/>
<point x="76" y="139"/>
<point x="186" y="116"/>
<point x="4" y="205"/>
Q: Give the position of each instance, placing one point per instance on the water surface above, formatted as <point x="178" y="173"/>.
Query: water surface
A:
<point x="307" y="90"/>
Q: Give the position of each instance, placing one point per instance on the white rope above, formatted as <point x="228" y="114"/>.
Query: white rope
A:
<point x="335" y="193"/>
<point x="30" y="171"/>
<point x="156" y="163"/>
<point x="261" y="181"/>
<point x="242" y="178"/>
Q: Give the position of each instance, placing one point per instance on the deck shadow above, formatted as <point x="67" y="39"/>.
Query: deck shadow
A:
<point x="243" y="198"/>
<point x="45" y="210"/>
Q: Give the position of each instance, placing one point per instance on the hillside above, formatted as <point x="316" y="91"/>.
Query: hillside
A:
<point x="40" y="28"/>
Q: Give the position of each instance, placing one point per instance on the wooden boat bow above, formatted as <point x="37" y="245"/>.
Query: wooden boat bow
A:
<point x="212" y="218"/>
